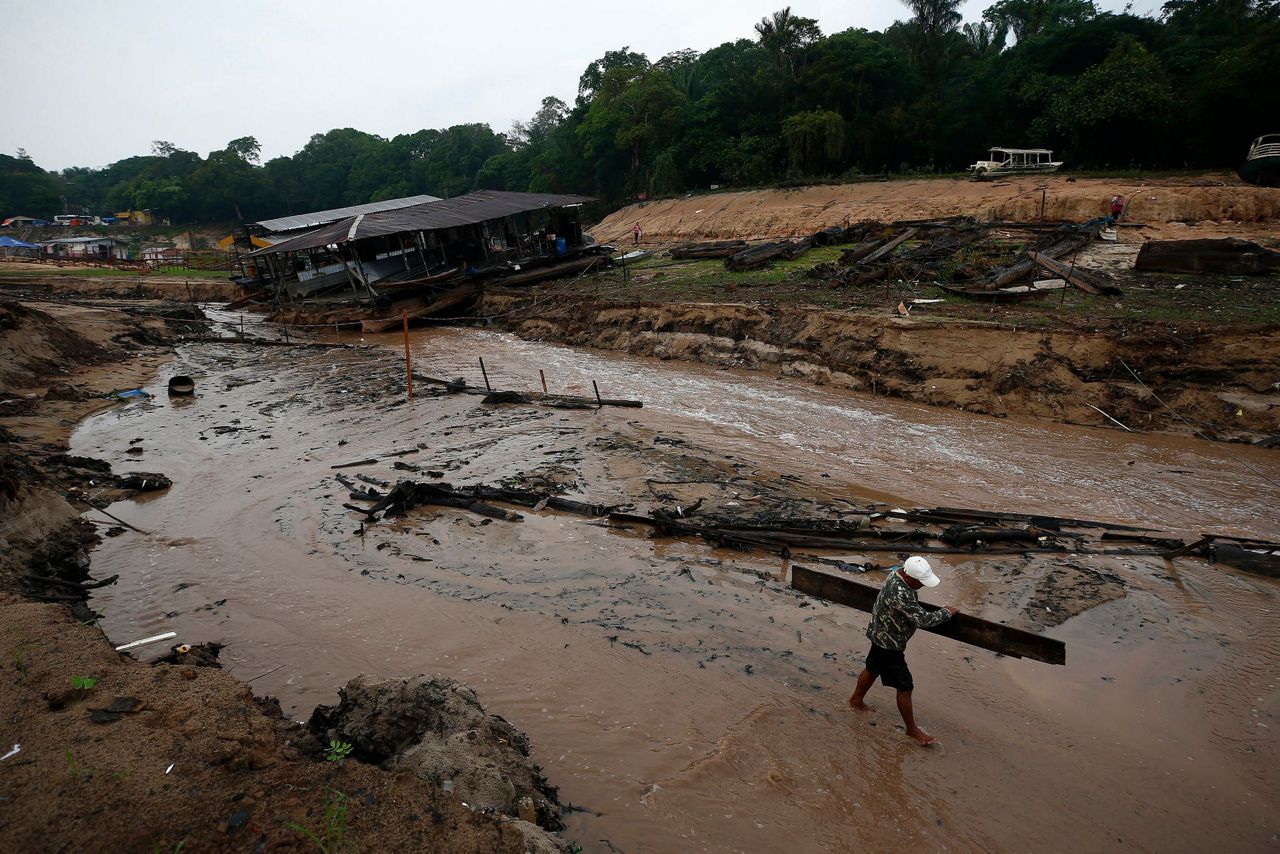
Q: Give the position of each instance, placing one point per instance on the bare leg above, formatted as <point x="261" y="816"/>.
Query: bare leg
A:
<point x="908" y="718"/>
<point x="865" y="681"/>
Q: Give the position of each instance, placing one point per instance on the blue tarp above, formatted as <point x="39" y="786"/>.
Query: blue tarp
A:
<point x="7" y="242"/>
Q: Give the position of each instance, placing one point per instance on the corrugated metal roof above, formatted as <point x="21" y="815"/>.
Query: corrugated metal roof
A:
<point x="318" y="218"/>
<point x="470" y="209"/>
<point x="66" y="240"/>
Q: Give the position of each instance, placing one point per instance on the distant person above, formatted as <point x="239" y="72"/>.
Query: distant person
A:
<point x="635" y="232"/>
<point x="1117" y="208"/>
<point x="894" y="619"/>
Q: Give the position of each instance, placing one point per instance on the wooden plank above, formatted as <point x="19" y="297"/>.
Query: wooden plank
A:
<point x="890" y="246"/>
<point x="962" y="627"/>
<point x="1072" y="274"/>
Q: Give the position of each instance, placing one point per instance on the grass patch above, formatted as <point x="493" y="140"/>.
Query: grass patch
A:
<point x="1212" y="300"/>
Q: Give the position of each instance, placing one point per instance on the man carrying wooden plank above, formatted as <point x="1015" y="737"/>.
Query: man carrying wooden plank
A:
<point x="894" y="619"/>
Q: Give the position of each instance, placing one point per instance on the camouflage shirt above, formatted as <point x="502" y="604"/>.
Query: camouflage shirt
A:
<point x="898" y="613"/>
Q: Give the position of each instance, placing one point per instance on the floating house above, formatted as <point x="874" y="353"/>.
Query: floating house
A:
<point x="428" y="247"/>
<point x="298" y="223"/>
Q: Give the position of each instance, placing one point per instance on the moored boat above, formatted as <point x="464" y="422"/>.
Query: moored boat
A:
<point x="1015" y="161"/>
<point x="1262" y="164"/>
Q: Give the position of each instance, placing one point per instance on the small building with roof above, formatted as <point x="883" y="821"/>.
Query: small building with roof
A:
<point x="87" y="248"/>
<point x="435" y="245"/>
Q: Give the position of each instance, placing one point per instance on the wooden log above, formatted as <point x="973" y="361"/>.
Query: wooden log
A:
<point x="962" y="627"/>
<point x="756" y="256"/>
<point x="883" y="251"/>
<point x="354" y="464"/>
<point x="263" y="342"/>
<point x="538" y="396"/>
<point x="857" y="253"/>
<point x="797" y="248"/>
<point x="713" y="249"/>
<point x="1073" y="275"/>
<point x="1025" y="267"/>
<point x="828" y="236"/>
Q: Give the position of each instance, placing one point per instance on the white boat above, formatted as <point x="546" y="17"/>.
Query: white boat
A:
<point x="1015" y="161"/>
<point x="1262" y="166"/>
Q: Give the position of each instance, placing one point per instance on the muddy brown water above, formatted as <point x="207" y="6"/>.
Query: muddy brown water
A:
<point x="680" y="695"/>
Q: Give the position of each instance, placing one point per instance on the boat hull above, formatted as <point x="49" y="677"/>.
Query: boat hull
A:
<point x="1261" y="171"/>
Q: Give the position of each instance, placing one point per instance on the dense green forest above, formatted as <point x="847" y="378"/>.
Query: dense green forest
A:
<point x="1188" y="89"/>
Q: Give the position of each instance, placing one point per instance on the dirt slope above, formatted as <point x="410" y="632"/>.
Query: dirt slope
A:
<point x="783" y="213"/>
<point x="1221" y="378"/>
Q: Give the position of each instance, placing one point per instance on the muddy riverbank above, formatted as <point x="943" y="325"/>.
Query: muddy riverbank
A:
<point x="1177" y="377"/>
<point x="180" y="754"/>
<point x="680" y="695"/>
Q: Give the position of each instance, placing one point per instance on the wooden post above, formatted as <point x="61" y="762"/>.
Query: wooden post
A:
<point x="599" y="402"/>
<point x="242" y="324"/>
<point x="1043" y="195"/>
<point x="543" y="377"/>
<point x="485" y="374"/>
<point x="408" y="368"/>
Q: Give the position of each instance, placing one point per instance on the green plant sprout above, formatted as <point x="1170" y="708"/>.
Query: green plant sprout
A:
<point x="335" y="824"/>
<point x="337" y="751"/>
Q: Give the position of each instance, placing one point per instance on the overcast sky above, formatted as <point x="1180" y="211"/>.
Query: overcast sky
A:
<point x="91" y="82"/>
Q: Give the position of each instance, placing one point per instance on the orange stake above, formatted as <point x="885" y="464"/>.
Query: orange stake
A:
<point x="408" y="369"/>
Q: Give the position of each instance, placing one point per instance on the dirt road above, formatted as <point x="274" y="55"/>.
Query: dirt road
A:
<point x="680" y="695"/>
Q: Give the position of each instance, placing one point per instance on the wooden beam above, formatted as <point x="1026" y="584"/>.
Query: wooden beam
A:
<point x="883" y="251"/>
<point x="966" y="628"/>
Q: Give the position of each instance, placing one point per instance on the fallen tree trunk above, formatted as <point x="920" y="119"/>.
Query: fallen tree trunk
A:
<point x="716" y="249"/>
<point x="962" y="627"/>
<point x="756" y="256"/>
<point x="852" y="256"/>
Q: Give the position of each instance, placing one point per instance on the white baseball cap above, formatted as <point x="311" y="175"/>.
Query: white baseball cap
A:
<point x="919" y="569"/>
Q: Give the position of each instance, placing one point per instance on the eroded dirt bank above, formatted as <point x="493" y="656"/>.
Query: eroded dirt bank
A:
<point x="1222" y="381"/>
<point x="681" y="695"/>
<point x="1217" y="202"/>
<point x="118" y="755"/>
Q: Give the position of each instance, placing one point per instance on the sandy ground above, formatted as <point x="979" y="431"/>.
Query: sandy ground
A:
<point x="1217" y="205"/>
<point x="679" y="694"/>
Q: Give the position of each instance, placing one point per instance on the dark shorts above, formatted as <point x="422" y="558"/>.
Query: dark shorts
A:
<point x="891" y="666"/>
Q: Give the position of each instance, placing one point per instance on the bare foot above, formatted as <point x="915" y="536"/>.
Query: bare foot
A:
<point x="854" y="702"/>
<point x="923" y="737"/>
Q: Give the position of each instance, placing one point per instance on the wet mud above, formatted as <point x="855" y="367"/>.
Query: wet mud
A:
<point x="1183" y="377"/>
<point x="679" y="695"/>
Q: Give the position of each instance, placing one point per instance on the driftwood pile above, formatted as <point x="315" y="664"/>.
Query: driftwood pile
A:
<point x="781" y="529"/>
<point x="936" y="250"/>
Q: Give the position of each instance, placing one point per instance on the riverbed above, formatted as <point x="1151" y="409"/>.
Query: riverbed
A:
<point x="681" y="696"/>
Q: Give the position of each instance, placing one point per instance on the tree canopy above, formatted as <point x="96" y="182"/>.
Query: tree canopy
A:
<point x="1189" y="88"/>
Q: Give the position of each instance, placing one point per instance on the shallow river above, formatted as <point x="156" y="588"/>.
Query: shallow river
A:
<point x="704" y="710"/>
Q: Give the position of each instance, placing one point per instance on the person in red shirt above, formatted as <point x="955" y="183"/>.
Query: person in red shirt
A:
<point x="1117" y="207"/>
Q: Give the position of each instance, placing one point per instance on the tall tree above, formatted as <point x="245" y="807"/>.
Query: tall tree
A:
<point x="787" y="38"/>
